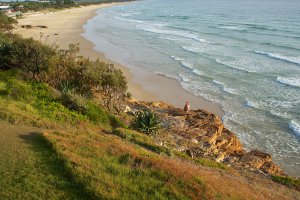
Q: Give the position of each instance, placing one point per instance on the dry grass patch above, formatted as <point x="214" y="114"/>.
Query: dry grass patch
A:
<point x="111" y="168"/>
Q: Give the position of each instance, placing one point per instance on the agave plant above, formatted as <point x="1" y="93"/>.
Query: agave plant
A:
<point x="146" y="122"/>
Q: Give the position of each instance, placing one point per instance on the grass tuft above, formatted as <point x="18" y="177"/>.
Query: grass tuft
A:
<point x="286" y="180"/>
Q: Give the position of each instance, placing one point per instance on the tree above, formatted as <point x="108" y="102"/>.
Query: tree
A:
<point x="113" y="88"/>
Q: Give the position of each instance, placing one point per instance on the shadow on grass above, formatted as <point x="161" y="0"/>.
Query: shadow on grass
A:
<point x="55" y="166"/>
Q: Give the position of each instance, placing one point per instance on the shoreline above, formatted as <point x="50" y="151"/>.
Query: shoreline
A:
<point x="67" y="26"/>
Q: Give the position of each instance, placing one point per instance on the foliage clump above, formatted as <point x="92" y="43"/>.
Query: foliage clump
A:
<point x="64" y="70"/>
<point x="146" y="122"/>
<point x="6" y="23"/>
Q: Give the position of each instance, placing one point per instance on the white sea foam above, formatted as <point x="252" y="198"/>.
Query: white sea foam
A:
<point x="252" y="104"/>
<point x="281" y="104"/>
<point x="184" y="78"/>
<point x="197" y="72"/>
<point x="280" y="114"/>
<point x="291" y="81"/>
<point x="235" y="28"/>
<point x="183" y="62"/>
<point x="218" y="83"/>
<point x="133" y="21"/>
<point x="225" y="88"/>
<point x="290" y="59"/>
<point x="160" y="29"/>
<point x="236" y="65"/>
<point x="230" y="90"/>
<point x="191" y="49"/>
<point x="186" y="64"/>
<point x="295" y="127"/>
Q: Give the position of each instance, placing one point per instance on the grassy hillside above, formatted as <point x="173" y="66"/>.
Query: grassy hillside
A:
<point x="76" y="155"/>
<point x="29" y="169"/>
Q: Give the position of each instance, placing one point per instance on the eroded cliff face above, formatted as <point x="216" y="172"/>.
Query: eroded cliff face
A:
<point x="202" y="134"/>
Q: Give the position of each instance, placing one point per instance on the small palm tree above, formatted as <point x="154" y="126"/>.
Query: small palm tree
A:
<point x="146" y="122"/>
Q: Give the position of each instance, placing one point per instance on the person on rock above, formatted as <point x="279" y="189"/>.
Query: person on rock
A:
<point x="186" y="107"/>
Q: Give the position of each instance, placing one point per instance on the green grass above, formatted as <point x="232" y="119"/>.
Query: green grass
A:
<point x="29" y="169"/>
<point x="141" y="140"/>
<point x="114" y="169"/>
<point x="37" y="104"/>
<point x="202" y="161"/>
<point x="286" y="180"/>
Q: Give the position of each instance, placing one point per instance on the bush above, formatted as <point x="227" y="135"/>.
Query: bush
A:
<point x="6" y="23"/>
<point x="29" y="55"/>
<point x="66" y="71"/>
<point x="146" y="122"/>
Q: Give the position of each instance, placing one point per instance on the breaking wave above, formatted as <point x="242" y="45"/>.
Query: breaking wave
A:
<point x="161" y="29"/>
<point x="235" y="28"/>
<point x="252" y="104"/>
<point x="290" y="81"/>
<point x="225" y="88"/>
<point x="294" y="127"/>
<point x="289" y="59"/>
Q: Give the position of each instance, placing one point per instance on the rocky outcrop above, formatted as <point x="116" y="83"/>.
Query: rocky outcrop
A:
<point x="260" y="160"/>
<point x="202" y="134"/>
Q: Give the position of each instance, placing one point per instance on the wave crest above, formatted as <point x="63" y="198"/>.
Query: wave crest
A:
<point x="290" y="81"/>
<point x="234" y="28"/>
<point x="289" y="59"/>
<point x="295" y="127"/>
<point x="160" y="29"/>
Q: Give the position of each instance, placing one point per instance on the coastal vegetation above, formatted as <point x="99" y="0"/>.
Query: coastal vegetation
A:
<point x="6" y="23"/>
<point x="63" y="136"/>
<point x="287" y="180"/>
<point x="146" y="122"/>
<point x="64" y="70"/>
<point x="37" y="6"/>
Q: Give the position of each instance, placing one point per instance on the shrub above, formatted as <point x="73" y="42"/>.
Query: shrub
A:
<point x="29" y="55"/>
<point x="6" y="23"/>
<point x="64" y="70"/>
<point x="146" y="122"/>
<point x="113" y="88"/>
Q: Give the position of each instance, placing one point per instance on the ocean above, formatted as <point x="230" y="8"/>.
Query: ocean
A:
<point x="243" y="55"/>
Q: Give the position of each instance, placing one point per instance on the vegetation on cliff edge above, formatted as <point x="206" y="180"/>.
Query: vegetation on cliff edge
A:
<point x="81" y="149"/>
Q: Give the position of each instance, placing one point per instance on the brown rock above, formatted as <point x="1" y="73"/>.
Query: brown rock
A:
<point x="271" y="168"/>
<point x="255" y="159"/>
<point x="202" y="134"/>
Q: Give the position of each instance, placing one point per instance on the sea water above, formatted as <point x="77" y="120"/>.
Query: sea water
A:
<point x="243" y="55"/>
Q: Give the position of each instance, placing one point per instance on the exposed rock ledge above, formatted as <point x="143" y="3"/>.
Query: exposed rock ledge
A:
<point x="202" y="134"/>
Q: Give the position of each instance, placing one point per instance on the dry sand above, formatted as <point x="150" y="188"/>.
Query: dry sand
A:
<point x="66" y="27"/>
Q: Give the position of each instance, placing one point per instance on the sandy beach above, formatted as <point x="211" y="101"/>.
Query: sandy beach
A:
<point x="66" y="27"/>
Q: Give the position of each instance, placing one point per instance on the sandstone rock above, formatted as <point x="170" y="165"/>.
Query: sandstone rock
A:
<point x="220" y="157"/>
<point x="127" y="109"/>
<point x="194" y="141"/>
<point x="262" y="161"/>
<point x="202" y="134"/>
<point x="271" y="168"/>
<point x="255" y="159"/>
